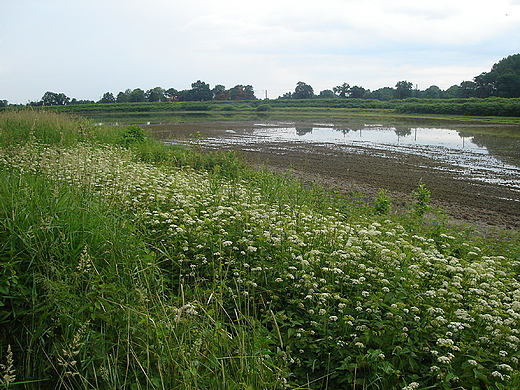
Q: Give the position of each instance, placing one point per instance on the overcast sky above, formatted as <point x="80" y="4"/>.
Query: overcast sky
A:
<point x="85" y="48"/>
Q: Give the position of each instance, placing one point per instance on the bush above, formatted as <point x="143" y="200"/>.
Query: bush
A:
<point x="133" y="134"/>
<point x="422" y="203"/>
<point x="383" y="203"/>
<point x="264" y="107"/>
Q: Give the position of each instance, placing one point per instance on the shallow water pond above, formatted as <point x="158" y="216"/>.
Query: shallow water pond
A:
<point x="456" y="149"/>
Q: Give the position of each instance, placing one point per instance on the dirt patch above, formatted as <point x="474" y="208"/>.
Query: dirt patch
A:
<point x="364" y="171"/>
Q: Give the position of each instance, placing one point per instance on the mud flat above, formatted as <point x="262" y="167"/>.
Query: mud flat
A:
<point x="363" y="169"/>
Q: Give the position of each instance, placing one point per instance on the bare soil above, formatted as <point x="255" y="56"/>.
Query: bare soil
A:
<point x="482" y="205"/>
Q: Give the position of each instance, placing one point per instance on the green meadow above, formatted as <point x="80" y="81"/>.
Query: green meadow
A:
<point x="129" y="264"/>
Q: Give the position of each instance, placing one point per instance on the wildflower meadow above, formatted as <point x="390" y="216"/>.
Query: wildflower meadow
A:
<point x="126" y="263"/>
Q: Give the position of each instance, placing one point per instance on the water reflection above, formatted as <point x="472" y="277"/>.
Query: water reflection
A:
<point x="374" y="134"/>
<point x="465" y="154"/>
<point x="468" y="155"/>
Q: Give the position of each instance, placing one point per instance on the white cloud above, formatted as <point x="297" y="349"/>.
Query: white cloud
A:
<point x="87" y="48"/>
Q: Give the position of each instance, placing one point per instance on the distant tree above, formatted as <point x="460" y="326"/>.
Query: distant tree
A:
<point x="155" y="95"/>
<point x="327" y="94"/>
<point x="242" y="92"/>
<point x="55" y="99"/>
<point x="356" y="92"/>
<point x="75" y="101"/>
<point x="485" y="85"/>
<point x="3" y="103"/>
<point x="286" y="95"/>
<point x="122" y="97"/>
<point x="503" y="80"/>
<point x="468" y="89"/>
<point x="455" y="91"/>
<point x="433" y="92"/>
<point x="171" y="94"/>
<point x="303" y="91"/>
<point x="220" y="93"/>
<point x="343" y="90"/>
<point x="200" y="91"/>
<point x="237" y="93"/>
<point x="404" y="89"/>
<point x="137" y="96"/>
<point x="384" y="94"/>
<point x="508" y="85"/>
<point x="108" y="97"/>
<point x="250" y="92"/>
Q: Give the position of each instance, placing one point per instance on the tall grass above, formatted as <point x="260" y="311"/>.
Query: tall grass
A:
<point x="131" y="264"/>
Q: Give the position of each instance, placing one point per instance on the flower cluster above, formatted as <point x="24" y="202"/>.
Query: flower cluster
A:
<point x="343" y="295"/>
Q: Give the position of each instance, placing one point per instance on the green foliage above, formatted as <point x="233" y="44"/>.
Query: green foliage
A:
<point x="503" y="80"/>
<point x="133" y="134"/>
<point x="53" y="98"/>
<point x="160" y="267"/>
<point x="18" y="127"/>
<point x="264" y="107"/>
<point x="466" y="107"/>
<point x="303" y="91"/>
<point x="179" y="111"/>
<point x="382" y="203"/>
<point x="422" y="200"/>
<point x="22" y="126"/>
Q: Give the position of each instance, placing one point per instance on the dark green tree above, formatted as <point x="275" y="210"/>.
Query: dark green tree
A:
<point x="82" y="101"/>
<point x="433" y="92"/>
<point x="303" y="91"/>
<point x="200" y="91"/>
<point x="250" y="92"/>
<point x="455" y="91"/>
<point x="122" y="97"/>
<point x="468" y="89"/>
<point x="383" y="94"/>
<point x="404" y="89"/>
<point x="503" y="80"/>
<point x="171" y="94"/>
<point x="55" y="99"/>
<point x="327" y="94"/>
<point x="286" y="95"/>
<point x="343" y="90"/>
<point x="220" y="93"/>
<point x="137" y="96"/>
<point x="242" y="92"/>
<point x="356" y="92"/>
<point x="508" y="85"/>
<point x="155" y="95"/>
<point x="108" y="97"/>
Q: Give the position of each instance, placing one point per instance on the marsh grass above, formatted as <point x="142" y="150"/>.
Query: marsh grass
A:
<point x="143" y="266"/>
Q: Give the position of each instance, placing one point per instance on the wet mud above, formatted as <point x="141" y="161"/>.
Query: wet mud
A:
<point x="363" y="170"/>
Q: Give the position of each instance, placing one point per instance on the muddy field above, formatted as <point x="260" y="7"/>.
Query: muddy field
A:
<point x="365" y="172"/>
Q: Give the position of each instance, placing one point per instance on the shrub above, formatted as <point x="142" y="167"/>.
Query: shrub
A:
<point x="422" y="200"/>
<point x="264" y="107"/>
<point x="383" y="203"/>
<point x="133" y="134"/>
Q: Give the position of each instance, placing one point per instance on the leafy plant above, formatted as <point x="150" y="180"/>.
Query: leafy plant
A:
<point x="422" y="200"/>
<point x="382" y="203"/>
<point x="156" y="267"/>
<point x="264" y="107"/>
<point x="133" y="134"/>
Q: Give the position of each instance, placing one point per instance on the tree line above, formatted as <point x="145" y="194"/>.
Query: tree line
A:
<point x="503" y="80"/>
<point x="200" y="91"/>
